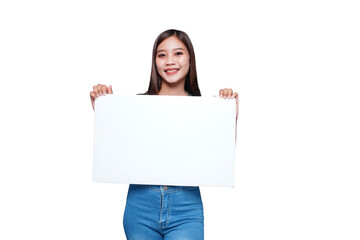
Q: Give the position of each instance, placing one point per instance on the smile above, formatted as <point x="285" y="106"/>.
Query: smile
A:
<point x="171" y="71"/>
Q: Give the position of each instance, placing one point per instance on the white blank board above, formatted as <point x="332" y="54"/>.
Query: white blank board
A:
<point x="164" y="140"/>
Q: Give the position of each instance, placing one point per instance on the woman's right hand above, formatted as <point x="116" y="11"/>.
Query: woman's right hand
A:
<point x="99" y="90"/>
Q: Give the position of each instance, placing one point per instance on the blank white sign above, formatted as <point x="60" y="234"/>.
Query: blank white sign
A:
<point x="164" y="140"/>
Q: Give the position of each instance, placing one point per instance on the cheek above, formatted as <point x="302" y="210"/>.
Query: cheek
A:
<point x="185" y="61"/>
<point x="158" y="66"/>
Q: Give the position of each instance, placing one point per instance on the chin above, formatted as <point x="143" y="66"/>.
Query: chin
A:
<point x="171" y="81"/>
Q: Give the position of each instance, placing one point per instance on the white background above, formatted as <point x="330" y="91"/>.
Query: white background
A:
<point x="295" y="65"/>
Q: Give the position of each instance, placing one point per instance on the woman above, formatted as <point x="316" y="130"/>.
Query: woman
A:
<point x="166" y="212"/>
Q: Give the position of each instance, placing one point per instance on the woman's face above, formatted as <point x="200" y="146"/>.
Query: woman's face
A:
<point x="172" y="60"/>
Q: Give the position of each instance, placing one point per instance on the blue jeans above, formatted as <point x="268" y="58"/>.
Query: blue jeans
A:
<point x="163" y="212"/>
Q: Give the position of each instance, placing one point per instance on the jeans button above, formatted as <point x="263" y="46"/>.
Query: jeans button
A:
<point x="165" y="187"/>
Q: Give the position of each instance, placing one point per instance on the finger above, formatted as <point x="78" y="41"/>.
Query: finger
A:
<point x="230" y="93"/>
<point x="110" y="90"/>
<point x="92" y="99"/>
<point x="95" y="89"/>
<point x="226" y="92"/>
<point x="235" y="95"/>
<point x="93" y="95"/>
<point x="103" y="89"/>
<point x="99" y="89"/>
<point x="221" y="93"/>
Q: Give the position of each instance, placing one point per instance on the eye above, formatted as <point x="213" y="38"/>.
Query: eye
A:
<point x="178" y="53"/>
<point x="161" y="55"/>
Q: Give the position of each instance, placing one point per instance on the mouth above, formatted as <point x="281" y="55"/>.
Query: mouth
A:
<point x="171" y="71"/>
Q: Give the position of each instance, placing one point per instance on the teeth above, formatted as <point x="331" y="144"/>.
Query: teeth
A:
<point x="170" y="70"/>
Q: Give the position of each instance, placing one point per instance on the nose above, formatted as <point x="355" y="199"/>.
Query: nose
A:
<point x="170" y="61"/>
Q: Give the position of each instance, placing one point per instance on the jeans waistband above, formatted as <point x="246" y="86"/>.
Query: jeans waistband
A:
<point x="163" y="188"/>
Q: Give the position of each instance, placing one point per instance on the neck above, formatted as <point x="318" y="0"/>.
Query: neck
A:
<point x="173" y="89"/>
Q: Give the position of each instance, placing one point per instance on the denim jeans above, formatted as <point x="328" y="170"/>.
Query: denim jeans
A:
<point x="163" y="212"/>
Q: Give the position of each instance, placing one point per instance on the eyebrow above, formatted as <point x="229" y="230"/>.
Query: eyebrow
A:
<point x="162" y="50"/>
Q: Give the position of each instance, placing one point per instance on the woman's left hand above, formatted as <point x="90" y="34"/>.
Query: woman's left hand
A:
<point x="229" y="93"/>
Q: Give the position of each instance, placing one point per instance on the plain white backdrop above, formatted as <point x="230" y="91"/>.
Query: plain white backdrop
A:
<point x="295" y="65"/>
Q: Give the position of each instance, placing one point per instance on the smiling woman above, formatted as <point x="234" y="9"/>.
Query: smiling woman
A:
<point x="173" y="51"/>
<point x="172" y="64"/>
<point x="167" y="212"/>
